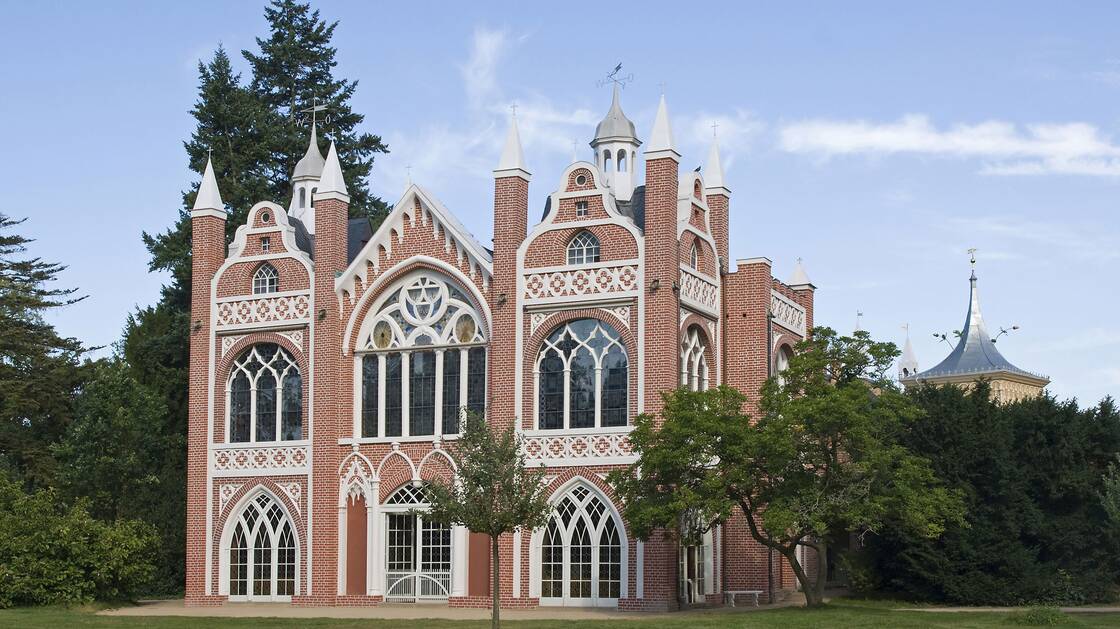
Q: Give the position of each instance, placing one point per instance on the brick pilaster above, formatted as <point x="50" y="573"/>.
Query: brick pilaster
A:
<point x="719" y="206"/>
<point x="326" y="418"/>
<point x="208" y="251"/>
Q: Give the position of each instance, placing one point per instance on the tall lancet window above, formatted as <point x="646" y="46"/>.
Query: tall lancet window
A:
<point x="303" y="197"/>
<point x="423" y="360"/>
<point x="694" y="360"/>
<point x="582" y="377"/>
<point x="265" y="400"/>
<point x="266" y="280"/>
<point x="584" y="249"/>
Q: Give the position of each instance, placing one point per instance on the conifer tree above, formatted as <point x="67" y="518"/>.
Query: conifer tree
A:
<point x="295" y="70"/>
<point x="40" y="372"/>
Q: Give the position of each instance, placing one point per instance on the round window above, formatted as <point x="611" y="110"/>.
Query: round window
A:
<point x="265" y="217"/>
<point x="382" y="335"/>
<point x="465" y="329"/>
<point x="581" y="180"/>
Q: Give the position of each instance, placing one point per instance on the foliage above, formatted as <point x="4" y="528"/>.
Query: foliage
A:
<point x="51" y="553"/>
<point x="40" y="371"/>
<point x="493" y="492"/>
<point x="294" y="70"/>
<point x="1110" y="497"/>
<point x="1031" y="474"/>
<point x="822" y="457"/>
<point x="1040" y="617"/>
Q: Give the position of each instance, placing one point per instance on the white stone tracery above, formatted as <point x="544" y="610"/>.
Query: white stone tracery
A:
<point x="694" y="365"/>
<point x="581" y="377"/>
<point x="421" y="360"/>
<point x="264" y="395"/>
<point x="260" y="553"/>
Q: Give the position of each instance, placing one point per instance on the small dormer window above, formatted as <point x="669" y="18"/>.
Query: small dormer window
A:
<point x="584" y="249"/>
<point x="694" y="261"/>
<point x="266" y="244"/>
<point x="581" y="208"/>
<point x="266" y="280"/>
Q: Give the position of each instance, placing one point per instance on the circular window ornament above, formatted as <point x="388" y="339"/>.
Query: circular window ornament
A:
<point x="382" y="335"/>
<point x="424" y="301"/>
<point x="581" y="180"/>
<point x="465" y="329"/>
<point x="265" y="217"/>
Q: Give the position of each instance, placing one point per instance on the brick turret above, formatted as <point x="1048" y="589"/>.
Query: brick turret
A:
<point x="719" y="199"/>
<point x="331" y="206"/>
<point x="208" y="251"/>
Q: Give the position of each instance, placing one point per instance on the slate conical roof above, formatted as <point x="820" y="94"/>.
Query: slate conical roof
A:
<point x="311" y="164"/>
<point x="975" y="353"/>
<point x="615" y="126"/>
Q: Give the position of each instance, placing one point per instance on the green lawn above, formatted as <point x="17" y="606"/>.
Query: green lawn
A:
<point x="839" y="614"/>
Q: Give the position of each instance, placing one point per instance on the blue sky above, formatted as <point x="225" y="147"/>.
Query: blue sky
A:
<point x="876" y="142"/>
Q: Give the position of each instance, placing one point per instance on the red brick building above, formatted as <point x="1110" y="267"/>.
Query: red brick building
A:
<point x="331" y="366"/>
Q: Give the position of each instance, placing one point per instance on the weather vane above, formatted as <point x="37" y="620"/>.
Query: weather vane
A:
<point x="314" y="110"/>
<point x="615" y="77"/>
<point x="972" y="257"/>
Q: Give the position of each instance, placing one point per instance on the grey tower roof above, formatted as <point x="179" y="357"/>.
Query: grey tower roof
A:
<point x="615" y="126"/>
<point x="975" y="353"/>
<point x="311" y="164"/>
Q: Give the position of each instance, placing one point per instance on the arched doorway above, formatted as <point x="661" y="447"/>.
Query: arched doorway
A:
<point x="262" y="554"/>
<point x="582" y="558"/>
<point x="418" y="553"/>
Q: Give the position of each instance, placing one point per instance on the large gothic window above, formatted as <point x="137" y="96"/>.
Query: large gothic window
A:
<point x="581" y="551"/>
<point x="694" y="360"/>
<point x="583" y="249"/>
<point x="265" y="399"/>
<point x="262" y="554"/>
<point x="582" y="377"/>
<point x="781" y="362"/>
<point x="423" y="360"/>
<point x="266" y="280"/>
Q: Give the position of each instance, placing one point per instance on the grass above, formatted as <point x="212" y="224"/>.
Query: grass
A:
<point x="871" y="614"/>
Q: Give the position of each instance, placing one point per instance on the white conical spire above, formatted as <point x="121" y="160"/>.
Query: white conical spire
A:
<point x="513" y="158"/>
<point x="713" y="171"/>
<point x="661" y="138"/>
<point x="208" y="197"/>
<point x="799" y="277"/>
<point x="908" y="363"/>
<point x="331" y="182"/>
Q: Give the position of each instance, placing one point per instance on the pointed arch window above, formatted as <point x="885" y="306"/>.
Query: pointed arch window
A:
<point x="423" y="360"/>
<point x="694" y="360"/>
<point x="264" y="396"/>
<point x="418" y="553"/>
<point x="583" y="249"/>
<point x="262" y="555"/>
<point x="582" y="377"/>
<point x="694" y="257"/>
<point x="581" y="551"/>
<point x="266" y="280"/>
<point x="781" y="362"/>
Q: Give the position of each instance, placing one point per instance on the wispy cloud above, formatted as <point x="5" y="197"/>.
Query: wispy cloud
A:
<point x="1076" y="241"/>
<point x="1066" y="148"/>
<point x="737" y="130"/>
<point x="1085" y="339"/>
<point x="480" y="72"/>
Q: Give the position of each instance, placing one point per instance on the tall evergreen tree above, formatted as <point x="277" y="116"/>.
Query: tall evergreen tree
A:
<point x="295" y="70"/>
<point x="40" y="372"/>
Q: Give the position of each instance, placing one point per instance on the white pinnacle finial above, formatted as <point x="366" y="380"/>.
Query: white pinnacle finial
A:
<point x="661" y="138"/>
<point x="908" y="363"/>
<point x="332" y="182"/>
<point x="513" y="158"/>
<point x="208" y="197"/>
<point x="799" y="277"/>
<point x="713" y="171"/>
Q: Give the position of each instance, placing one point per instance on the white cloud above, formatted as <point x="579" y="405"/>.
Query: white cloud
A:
<point x="1082" y="242"/>
<point x="737" y="132"/>
<point x="1066" y="148"/>
<point x="480" y="72"/>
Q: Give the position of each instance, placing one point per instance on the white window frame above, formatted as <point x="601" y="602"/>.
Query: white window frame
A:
<point x="404" y="340"/>
<point x="584" y="248"/>
<point x="266" y="280"/>
<point x="694" y="365"/>
<point x="239" y="366"/>
<point x="604" y="328"/>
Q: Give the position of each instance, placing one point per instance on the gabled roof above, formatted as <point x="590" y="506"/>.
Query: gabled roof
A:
<point x="975" y="353"/>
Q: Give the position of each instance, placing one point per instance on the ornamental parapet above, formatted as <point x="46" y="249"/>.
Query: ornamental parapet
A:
<point x="272" y="311"/>
<point x="244" y="459"/>
<point x="593" y="446"/>
<point x="565" y="284"/>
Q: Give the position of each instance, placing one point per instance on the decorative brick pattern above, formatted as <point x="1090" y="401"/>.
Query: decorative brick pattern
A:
<point x="287" y="309"/>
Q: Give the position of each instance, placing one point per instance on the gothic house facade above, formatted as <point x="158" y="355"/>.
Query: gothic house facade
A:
<point x="331" y="366"/>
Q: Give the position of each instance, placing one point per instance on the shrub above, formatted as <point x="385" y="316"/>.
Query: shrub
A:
<point x="52" y="553"/>
<point x="1040" y="617"/>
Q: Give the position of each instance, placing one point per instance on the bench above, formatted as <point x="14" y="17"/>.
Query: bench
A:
<point x="729" y="596"/>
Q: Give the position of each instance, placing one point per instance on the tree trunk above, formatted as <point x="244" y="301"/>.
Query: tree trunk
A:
<point x="808" y="588"/>
<point x="494" y="573"/>
<point x="822" y="570"/>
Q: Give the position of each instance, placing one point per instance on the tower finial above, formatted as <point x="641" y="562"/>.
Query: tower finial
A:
<point x="972" y="261"/>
